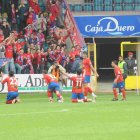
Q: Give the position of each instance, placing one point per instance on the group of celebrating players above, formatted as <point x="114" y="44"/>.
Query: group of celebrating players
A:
<point x="80" y="87"/>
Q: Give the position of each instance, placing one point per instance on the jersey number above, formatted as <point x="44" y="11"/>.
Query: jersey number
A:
<point x="13" y="81"/>
<point x="79" y="83"/>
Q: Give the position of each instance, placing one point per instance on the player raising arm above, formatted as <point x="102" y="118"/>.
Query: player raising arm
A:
<point x="77" y="86"/>
<point x="118" y="82"/>
<point x="12" y="84"/>
<point x="87" y="68"/>
<point x="53" y="87"/>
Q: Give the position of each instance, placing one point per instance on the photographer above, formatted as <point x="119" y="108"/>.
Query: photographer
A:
<point x="56" y="70"/>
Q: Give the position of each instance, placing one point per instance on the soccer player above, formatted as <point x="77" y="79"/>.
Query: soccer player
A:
<point x="87" y="68"/>
<point x="12" y="84"/>
<point x="53" y="86"/>
<point x="118" y="82"/>
<point x="77" y="86"/>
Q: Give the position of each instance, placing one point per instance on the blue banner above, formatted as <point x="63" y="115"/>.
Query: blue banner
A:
<point x="107" y="26"/>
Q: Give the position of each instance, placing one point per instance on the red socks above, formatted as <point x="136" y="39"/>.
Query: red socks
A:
<point x="123" y="93"/>
<point x="115" y="93"/>
<point x="49" y="94"/>
<point x="9" y="102"/>
<point x="74" y="100"/>
<point x="88" y="90"/>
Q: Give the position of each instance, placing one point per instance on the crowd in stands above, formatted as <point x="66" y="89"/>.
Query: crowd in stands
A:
<point x="33" y="37"/>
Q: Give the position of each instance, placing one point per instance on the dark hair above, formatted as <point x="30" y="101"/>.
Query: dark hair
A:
<point x="85" y="53"/>
<point x="115" y="62"/>
<point x="11" y="73"/>
<point x="53" y="2"/>
<point x="79" y="71"/>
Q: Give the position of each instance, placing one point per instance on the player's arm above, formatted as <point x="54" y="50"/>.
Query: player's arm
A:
<point x="116" y="79"/>
<point x="3" y="81"/>
<point x="65" y="74"/>
<point x="93" y="70"/>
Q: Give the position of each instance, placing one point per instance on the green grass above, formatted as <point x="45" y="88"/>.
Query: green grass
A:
<point x="36" y="119"/>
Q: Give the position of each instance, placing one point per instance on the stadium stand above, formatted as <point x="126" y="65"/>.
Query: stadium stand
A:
<point x="34" y="35"/>
<point x="105" y="5"/>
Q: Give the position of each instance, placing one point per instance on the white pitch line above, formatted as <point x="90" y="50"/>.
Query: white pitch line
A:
<point x="31" y="113"/>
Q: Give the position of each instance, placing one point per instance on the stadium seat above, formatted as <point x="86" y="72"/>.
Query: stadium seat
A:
<point x="118" y="1"/>
<point x="118" y="7"/>
<point x="108" y="8"/>
<point x="71" y="7"/>
<point x="128" y="1"/>
<point x="137" y="8"/>
<point x="88" y="7"/>
<point x="98" y="2"/>
<point x="108" y="2"/>
<point x="77" y="7"/>
<point x="128" y="8"/>
<point x="137" y="1"/>
<point x="98" y="7"/>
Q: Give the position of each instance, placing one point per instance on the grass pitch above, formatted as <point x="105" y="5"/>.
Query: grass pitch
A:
<point x="37" y="119"/>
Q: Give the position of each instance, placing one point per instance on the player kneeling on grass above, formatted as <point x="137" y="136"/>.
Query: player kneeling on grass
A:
<point x="77" y="87"/>
<point x="118" y="82"/>
<point x="12" y="84"/>
<point x="53" y="87"/>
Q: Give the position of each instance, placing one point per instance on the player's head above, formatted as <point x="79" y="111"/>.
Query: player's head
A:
<point x="113" y="63"/>
<point x="120" y="58"/>
<point x="11" y="73"/>
<point x="130" y="54"/>
<point x="79" y="71"/>
<point x="85" y="54"/>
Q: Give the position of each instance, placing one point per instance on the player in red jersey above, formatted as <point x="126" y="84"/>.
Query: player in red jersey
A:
<point x="77" y="87"/>
<point x="87" y="68"/>
<point x="118" y="82"/>
<point x="53" y="86"/>
<point x="12" y="85"/>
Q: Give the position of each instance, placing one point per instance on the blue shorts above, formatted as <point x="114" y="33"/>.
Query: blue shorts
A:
<point x="119" y="85"/>
<point x="53" y="86"/>
<point x="77" y="96"/>
<point x="12" y="95"/>
<point x="87" y="79"/>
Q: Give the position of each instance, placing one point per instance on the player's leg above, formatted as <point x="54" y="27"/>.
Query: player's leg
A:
<point x="57" y="89"/>
<point x="115" y="92"/>
<point x="121" y="86"/>
<point x="80" y="98"/>
<point x="88" y="89"/>
<point x="74" y="98"/>
<point x="49" y="93"/>
<point x="12" y="97"/>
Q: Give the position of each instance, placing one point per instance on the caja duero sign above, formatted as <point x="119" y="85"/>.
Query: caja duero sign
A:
<point x="100" y="26"/>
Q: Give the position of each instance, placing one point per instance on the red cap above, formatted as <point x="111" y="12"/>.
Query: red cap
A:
<point x="130" y="53"/>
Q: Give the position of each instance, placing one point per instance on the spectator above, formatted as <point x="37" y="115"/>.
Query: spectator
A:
<point x="67" y="65"/>
<point x="19" y="58"/>
<point x="6" y="28"/>
<point x="9" y="55"/>
<point x="130" y="60"/>
<point x="1" y="36"/>
<point x="35" y="6"/>
<point x="5" y="5"/>
<point x="23" y="13"/>
<point x="56" y="13"/>
<point x="13" y="17"/>
<point x="76" y="64"/>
